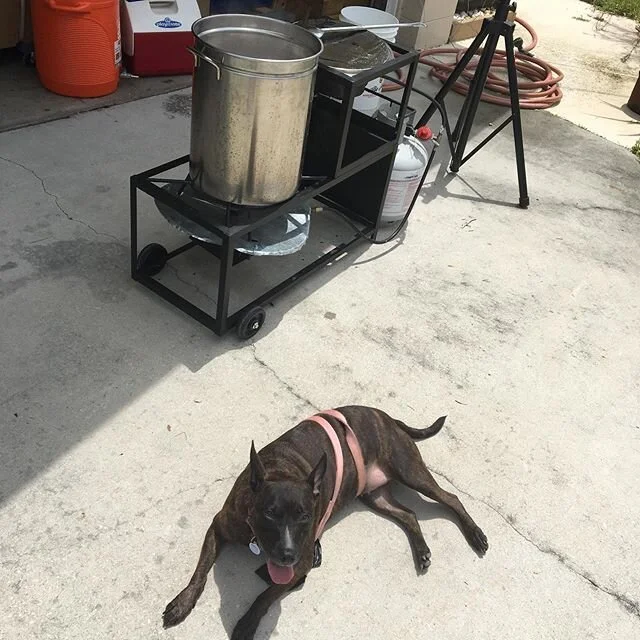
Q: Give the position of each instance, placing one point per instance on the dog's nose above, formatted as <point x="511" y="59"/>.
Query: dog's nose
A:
<point x="288" y="556"/>
<point x="287" y="553"/>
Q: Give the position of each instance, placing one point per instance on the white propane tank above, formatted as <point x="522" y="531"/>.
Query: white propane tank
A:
<point x="408" y="167"/>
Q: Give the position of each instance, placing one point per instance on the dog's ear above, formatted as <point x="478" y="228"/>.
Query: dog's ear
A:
<point x="316" y="476"/>
<point x="257" y="469"/>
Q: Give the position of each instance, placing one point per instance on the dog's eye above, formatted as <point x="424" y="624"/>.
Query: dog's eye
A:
<point x="302" y="515"/>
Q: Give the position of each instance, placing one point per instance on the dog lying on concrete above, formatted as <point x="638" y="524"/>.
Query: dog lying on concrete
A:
<point x="282" y="501"/>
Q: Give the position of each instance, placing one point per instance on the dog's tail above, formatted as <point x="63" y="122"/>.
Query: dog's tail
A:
<point x="423" y="434"/>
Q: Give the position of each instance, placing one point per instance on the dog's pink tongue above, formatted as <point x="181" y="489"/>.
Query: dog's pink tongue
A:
<point x="280" y="575"/>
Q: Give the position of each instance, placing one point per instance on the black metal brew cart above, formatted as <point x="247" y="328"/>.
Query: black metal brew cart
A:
<point x="347" y="164"/>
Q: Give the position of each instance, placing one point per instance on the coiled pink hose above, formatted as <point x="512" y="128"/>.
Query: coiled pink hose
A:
<point x="539" y="90"/>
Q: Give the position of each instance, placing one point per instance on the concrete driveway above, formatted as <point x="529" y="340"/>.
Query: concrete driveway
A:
<point x="600" y="58"/>
<point x="124" y="423"/>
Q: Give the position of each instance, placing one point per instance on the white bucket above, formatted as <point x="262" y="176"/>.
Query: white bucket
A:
<point x="368" y="15"/>
<point x="408" y="167"/>
<point x="369" y="103"/>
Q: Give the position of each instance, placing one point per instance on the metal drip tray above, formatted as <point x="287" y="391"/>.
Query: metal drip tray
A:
<point x="282" y="236"/>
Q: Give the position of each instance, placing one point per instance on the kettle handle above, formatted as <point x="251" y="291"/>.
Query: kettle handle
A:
<point x="199" y="55"/>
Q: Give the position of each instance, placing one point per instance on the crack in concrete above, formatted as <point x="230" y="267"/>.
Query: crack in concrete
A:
<point x="206" y="485"/>
<point x="56" y="200"/>
<point x="104" y="530"/>
<point x="626" y="602"/>
<point x="193" y="286"/>
<point x="284" y="383"/>
<point x="595" y="207"/>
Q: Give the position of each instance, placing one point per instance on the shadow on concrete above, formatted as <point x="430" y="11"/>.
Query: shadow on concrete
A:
<point x="104" y="342"/>
<point x="97" y="340"/>
<point x="615" y="30"/>
<point x="234" y="572"/>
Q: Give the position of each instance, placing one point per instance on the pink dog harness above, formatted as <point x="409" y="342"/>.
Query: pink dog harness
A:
<point x="356" y="453"/>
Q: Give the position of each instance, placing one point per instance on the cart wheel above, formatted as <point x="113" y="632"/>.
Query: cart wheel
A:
<point x="152" y="259"/>
<point x="251" y="323"/>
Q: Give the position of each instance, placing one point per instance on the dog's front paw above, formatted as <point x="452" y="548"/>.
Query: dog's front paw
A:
<point x="478" y="541"/>
<point x="180" y="607"/>
<point x="424" y="562"/>
<point x="423" y="559"/>
<point x="245" y="629"/>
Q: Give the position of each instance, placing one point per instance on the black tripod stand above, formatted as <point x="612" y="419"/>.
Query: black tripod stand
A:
<point x="491" y="31"/>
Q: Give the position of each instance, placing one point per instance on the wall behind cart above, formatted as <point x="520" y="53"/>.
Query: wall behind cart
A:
<point x="15" y="23"/>
<point x="297" y="9"/>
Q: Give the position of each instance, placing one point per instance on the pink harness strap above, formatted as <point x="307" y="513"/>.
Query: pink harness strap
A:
<point x="356" y="453"/>
<point x="354" y="447"/>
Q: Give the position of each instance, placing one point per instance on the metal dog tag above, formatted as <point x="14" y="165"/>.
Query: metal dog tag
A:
<point x="317" y="554"/>
<point x="254" y="547"/>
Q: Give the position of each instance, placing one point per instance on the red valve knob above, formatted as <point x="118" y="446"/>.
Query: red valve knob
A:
<point x="424" y="133"/>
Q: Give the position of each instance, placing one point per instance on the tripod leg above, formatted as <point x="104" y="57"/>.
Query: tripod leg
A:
<point x="462" y="117"/>
<point x="463" y="127"/>
<point x="460" y="67"/>
<point x="517" y="123"/>
<point x="455" y="74"/>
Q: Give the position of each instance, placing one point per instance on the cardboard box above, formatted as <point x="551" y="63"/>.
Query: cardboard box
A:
<point x="311" y="9"/>
<point x="299" y="9"/>
<point x="332" y="8"/>
<point x="10" y="23"/>
<point x="469" y="27"/>
<point x="425" y="10"/>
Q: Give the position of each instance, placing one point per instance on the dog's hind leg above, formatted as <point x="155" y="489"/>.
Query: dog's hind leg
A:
<point x="180" y="607"/>
<point x="382" y="501"/>
<point x="418" y="477"/>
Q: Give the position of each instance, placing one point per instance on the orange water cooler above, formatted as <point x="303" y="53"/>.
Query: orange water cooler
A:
<point x="77" y="46"/>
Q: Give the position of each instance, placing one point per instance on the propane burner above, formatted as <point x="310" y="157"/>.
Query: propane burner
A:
<point x="281" y="236"/>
